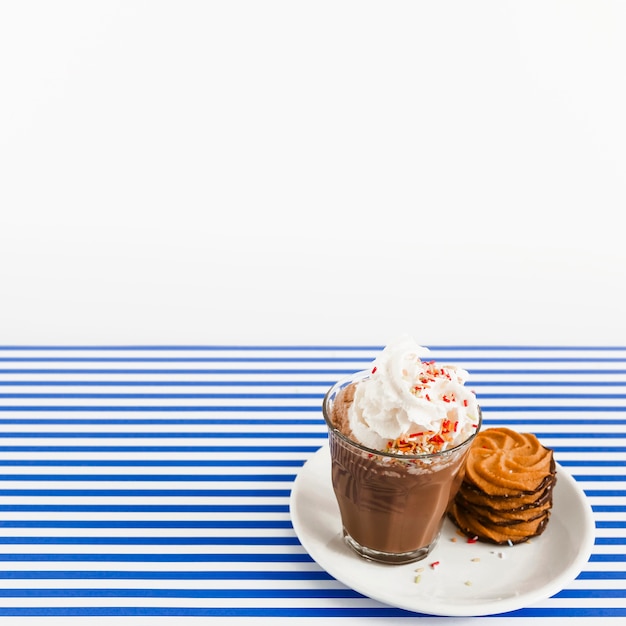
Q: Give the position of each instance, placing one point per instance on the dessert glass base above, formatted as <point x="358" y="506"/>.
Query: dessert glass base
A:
<point x="389" y="558"/>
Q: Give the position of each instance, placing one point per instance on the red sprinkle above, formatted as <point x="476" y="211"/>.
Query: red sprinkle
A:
<point x="374" y="370"/>
<point x="434" y="564"/>
<point x="472" y="539"/>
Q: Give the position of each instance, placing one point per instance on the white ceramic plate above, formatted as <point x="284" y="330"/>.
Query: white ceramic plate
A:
<point x="471" y="578"/>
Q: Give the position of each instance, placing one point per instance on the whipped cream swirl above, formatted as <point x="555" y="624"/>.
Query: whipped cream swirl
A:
<point x="412" y="406"/>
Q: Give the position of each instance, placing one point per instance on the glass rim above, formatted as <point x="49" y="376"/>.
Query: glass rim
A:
<point x="362" y="375"/>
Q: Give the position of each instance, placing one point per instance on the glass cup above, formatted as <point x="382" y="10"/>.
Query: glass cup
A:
<point x="392" y="505"/>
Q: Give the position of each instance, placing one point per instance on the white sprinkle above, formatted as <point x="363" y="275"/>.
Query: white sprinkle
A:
<point x="475" y="560"/>
<point x="501" y="555"/>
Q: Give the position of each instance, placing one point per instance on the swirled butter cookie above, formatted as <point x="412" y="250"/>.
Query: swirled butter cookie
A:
<point x="506" y="494"/>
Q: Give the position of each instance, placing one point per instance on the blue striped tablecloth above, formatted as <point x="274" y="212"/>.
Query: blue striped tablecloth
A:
<point x="141" y="481"/>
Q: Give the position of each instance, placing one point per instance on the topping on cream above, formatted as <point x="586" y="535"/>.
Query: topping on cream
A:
<point x="412" y="406"/>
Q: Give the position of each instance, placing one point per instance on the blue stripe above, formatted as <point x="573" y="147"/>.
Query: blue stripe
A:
<point x="199" y="541"/>
<point x="180" y="396"/>
<point x="146" y="508"/>
<point x="553" y="409"/>
<point x="224" y="523"/>
<point x="154" y="478"/>
<point x="590" y="449"/>
<point x="530" y="396"/>
<point x="610" y="524"/>
<point x="541" y="421"/>
<point x="231" y="348"/>
<point x="227" y="359"/>
<point x="248" y="435"/>
<point x="168" y="449"/>
<point x="237" y="372"/>
<point x="287" y="396"/>
<point x="291" y="612"/>
<point x="147" y="493"/>
<point x="601" y="477"/>
<point x="527" y="422"/>
<point x="565" y="372"/>
<point x="152" y="541"/>
<point x="194" y="421"/>
<point x="180" y="593"/>
<point x="159" y="463"/>
<point x="307" y="359"/>
<point x="163" y="409"/>
<point x="231" y="478"/>
<point x="251" y="449"/>
<point x="587" y="435"/>
<point x="283" y="409"/>
<point x="215" y="478"/>
<point x="220" y="359"/>
<point x="171" y="383"/>
<point x="520" y="348"/>
<point x="315" y="348"/>
<point x="541" y="383"/>
<point x="169" y="435"/>
<point x="591" y="593"/>
<point x="608" y="508"/>
<point x="597" y="575"/>
<point x="592" y="463"/>
<point x="259" y="557"/>
<point x="200" y="612"/>
<point x="287" y="383"/>
<point x="286" y="421"/>
<point x="163" y="575"/>
<point x="607" y="558"/>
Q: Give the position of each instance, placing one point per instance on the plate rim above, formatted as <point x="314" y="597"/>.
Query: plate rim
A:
<point x="501" y="605"/>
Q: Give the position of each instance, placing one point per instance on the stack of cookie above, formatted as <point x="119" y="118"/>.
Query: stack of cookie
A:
<point x="506" y="494"/>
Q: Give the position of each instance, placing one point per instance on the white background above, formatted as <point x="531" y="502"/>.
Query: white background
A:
<point x="265" y="172"/>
